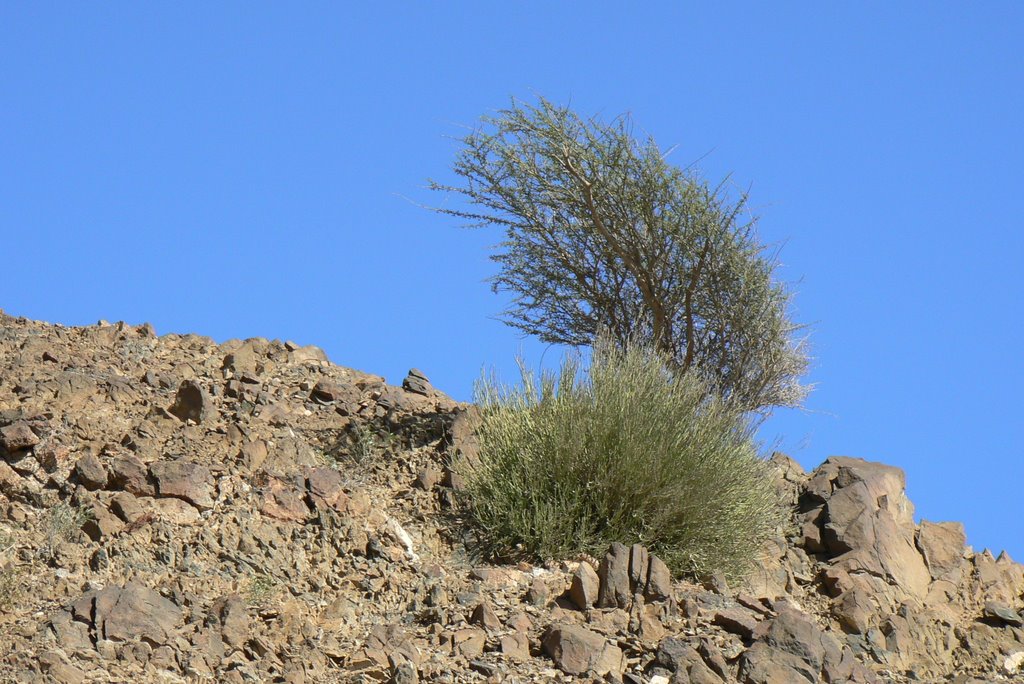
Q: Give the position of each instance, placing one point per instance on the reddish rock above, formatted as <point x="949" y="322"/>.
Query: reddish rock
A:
<point x="325" y="488"/>
<point x="283" y="500"/>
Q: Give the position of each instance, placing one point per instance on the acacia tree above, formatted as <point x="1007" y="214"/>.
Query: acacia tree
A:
<point x="603" y="234"/>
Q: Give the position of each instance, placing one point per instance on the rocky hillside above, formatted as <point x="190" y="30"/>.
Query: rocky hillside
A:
<point x="174" y="510"/>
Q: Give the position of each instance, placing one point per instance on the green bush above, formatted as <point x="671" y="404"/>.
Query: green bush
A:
<point x="628" y="452"/>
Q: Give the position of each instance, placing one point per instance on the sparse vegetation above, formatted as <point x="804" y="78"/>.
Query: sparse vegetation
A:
<point x="628" y="452"/>
<point x="63" y="523"/>
<point x="260" y="589"/>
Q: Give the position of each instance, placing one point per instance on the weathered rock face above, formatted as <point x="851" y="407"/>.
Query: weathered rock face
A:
<point x="172" y="509"/>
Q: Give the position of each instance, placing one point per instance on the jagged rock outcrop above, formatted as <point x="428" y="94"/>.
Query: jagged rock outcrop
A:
<point x="173" y="509"/>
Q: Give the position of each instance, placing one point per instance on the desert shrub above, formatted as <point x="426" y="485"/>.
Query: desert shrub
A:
<point x="628" y="451"/>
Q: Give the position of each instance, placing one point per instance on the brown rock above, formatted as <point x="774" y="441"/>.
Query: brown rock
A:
<point x="538" y="594"/>
<point x="91" y="473"/>
<point x="869" y="522"/>
<point x="484" y="616"/>
<point x="855" y="610"/>
<point x="102" y="524"/>
<point x="309" y="354"/>
<point x="639" y="566"/>
<point x="17" y="436"/>
<point x="469" y="643"/>
<point x="325" y="486"/>
<point x="184" y="480"/>
<point x="942" y="545"/>
<point x="231" y="614"/>
<point x="57" y="666"/>
<point x="614" y="576"/>
<point x="129" y="612"/>
<point x="659" y="581"/>
<point x="576" y="650"/>
<point x="428" y="478"/>
<point x="585" y="587"/>
<point x="192" y="402"/>
<point x="763" y="664"/>
<point x="516" y="646"/>
<point x="283" y="500"/>
<point x="739" y="621"/>
<point x="328" y="391"/>
<point x="417" y="383"/>
<point x="128" y="473"/>
<point x="126" y="507"/>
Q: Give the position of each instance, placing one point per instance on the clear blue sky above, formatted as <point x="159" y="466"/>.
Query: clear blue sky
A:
<point x="252" y="169"/>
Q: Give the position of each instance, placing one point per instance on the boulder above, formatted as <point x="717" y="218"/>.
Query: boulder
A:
<point x="184" y="480"/>
<point x="192" y="402"/>
<point x="577" y="650"/>
<point x="868" y="522"/>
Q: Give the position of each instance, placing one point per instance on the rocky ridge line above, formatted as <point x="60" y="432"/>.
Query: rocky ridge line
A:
<point x="172" y="509"/>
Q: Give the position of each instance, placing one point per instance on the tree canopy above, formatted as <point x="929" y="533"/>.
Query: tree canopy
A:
<point x="602" y="233"/>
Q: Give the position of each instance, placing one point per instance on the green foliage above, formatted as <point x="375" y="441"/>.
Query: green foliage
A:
<point x="602" y="233"/>
<point x="631" y="453"/>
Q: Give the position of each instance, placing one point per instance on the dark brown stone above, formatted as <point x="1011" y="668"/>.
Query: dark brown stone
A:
<point x="614" y="576"/>
<point x="192" y="402"/>
<point x="659" y="581"/>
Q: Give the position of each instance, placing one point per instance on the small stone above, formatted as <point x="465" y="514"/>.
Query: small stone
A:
<point x="417" y="383"/>
<point x="17" y="436"/>
<point x="1013" y="663"/>
<point x="576" y="650"/>
<point x="538" y="593"/>
<point x="91" y="473"/>
<point x="484" y="616"/>
<point x="585" y="587"/>
<point x="1001" y="612"/>
<point x="739" y="621"/>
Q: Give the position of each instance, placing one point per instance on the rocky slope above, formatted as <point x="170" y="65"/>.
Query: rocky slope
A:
<point x="174" y="510"/>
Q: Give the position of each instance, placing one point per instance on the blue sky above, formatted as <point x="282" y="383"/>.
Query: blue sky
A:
<point x="255" y="169"/>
